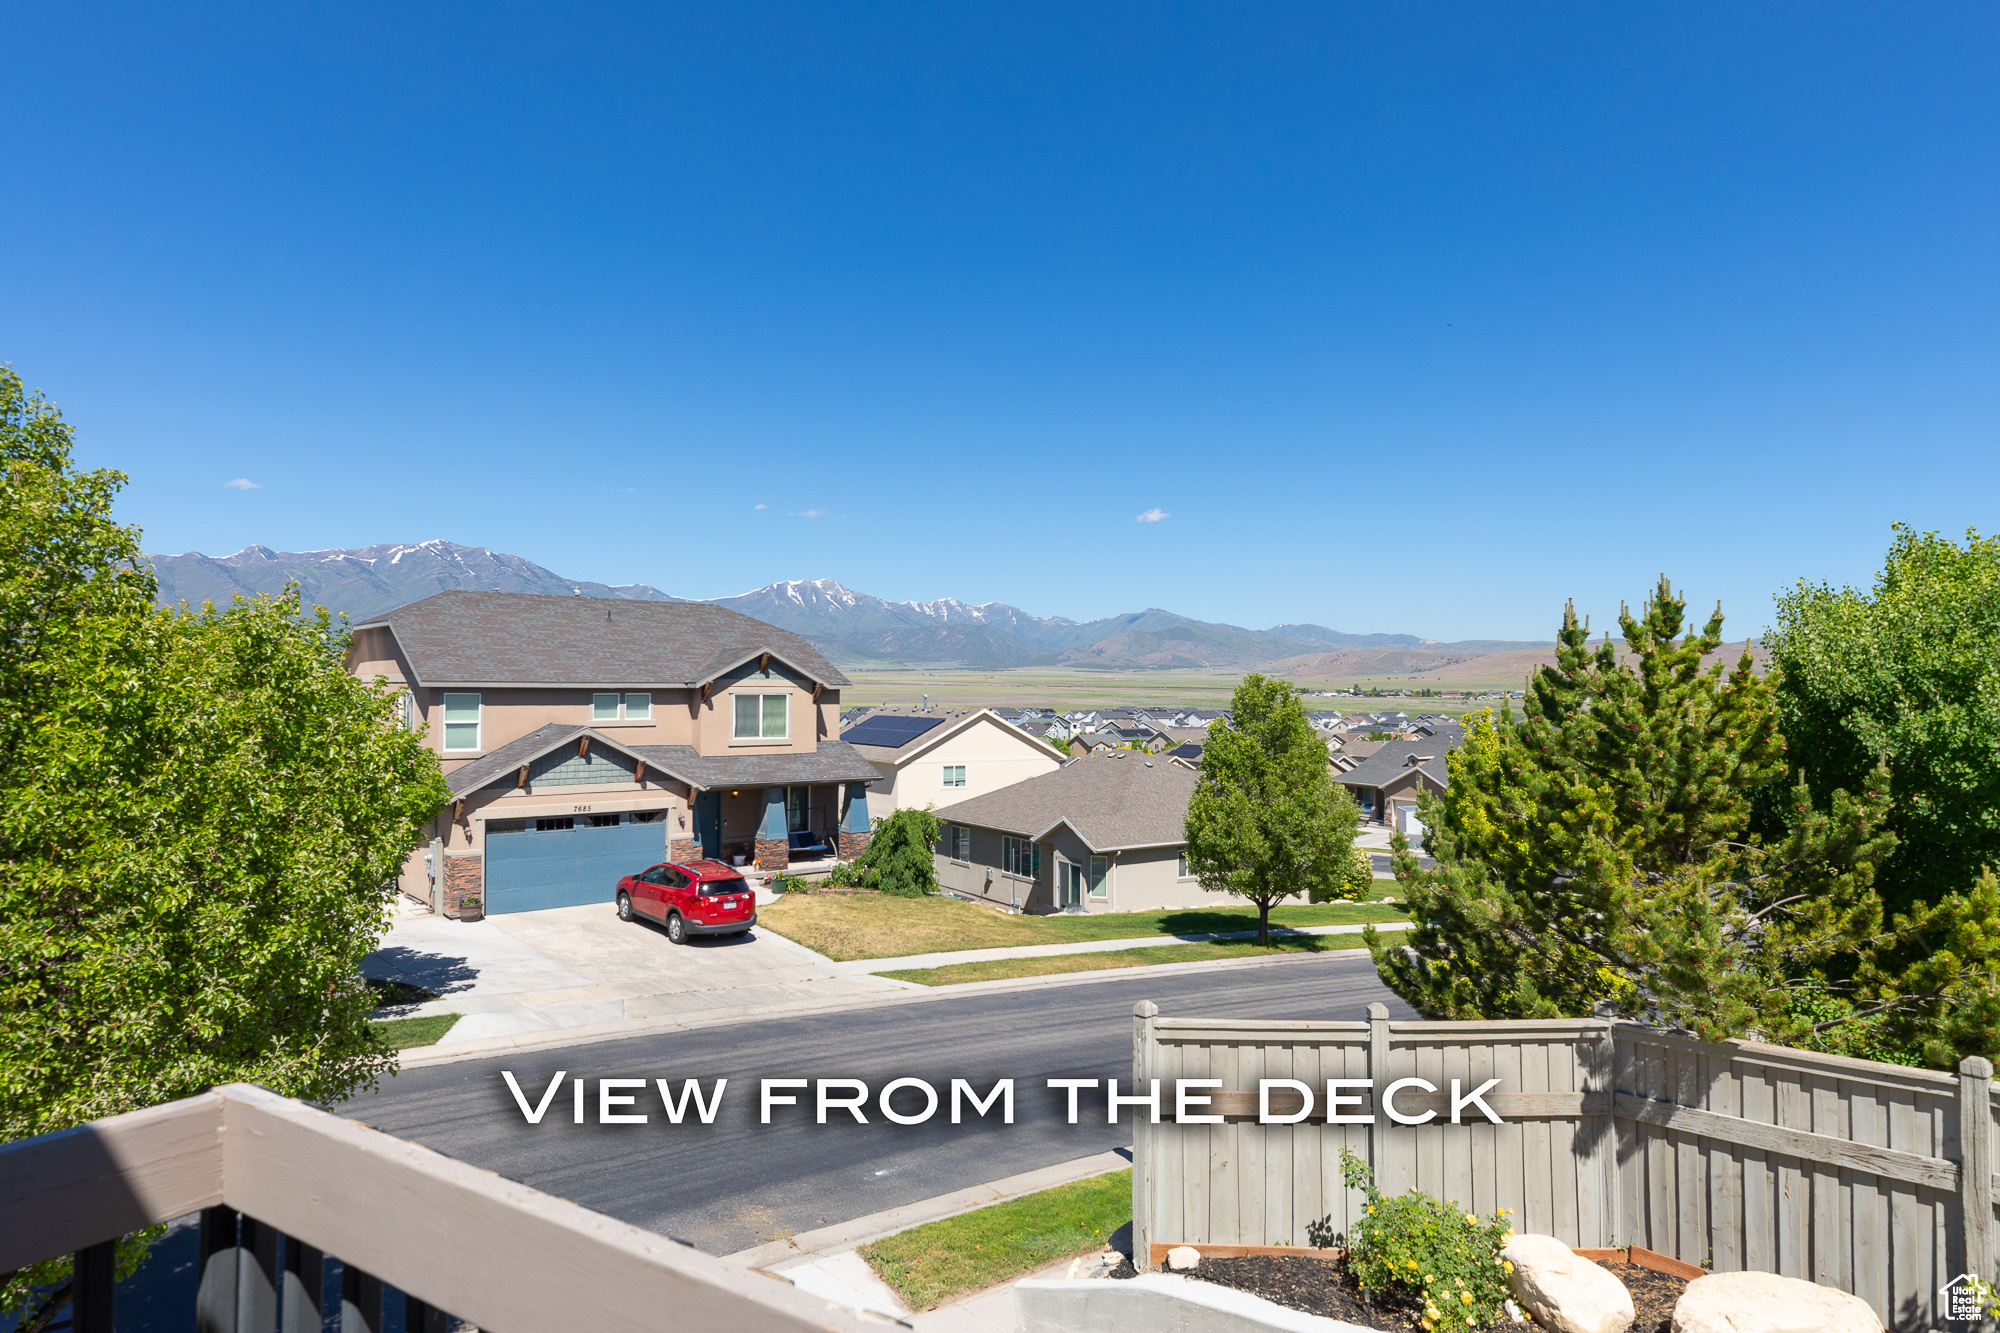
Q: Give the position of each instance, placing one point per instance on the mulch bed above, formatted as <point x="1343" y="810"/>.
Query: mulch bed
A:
<point x="1324" y="1287"/>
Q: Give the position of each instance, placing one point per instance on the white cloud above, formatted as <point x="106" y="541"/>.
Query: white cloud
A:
<point x="1153" y="515"/>
<point x="759" y="506"/>
<point x="243" y="484"/>
<point x="807" y="513"/>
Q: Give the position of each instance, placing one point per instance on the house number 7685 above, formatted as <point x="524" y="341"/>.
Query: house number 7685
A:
<point x="579" y="809"/>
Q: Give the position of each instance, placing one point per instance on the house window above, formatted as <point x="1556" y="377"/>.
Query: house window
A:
<point x="764" y="717"/>
<point x="603" y="708"/>
<point x="1020" y="857"/>
<point x="638" y="708"/>
<point x="461" y="722"/>
<point x="958" y="842"/>
<point x="1182" y="869"/>
<point x="1098" y="869"/>
<point x="798" y="810"/>
<point x="954" y="775"/>
<point x="406" y="711"/>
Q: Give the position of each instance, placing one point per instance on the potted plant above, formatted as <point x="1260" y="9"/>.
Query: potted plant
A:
<point x="471" y="908"/>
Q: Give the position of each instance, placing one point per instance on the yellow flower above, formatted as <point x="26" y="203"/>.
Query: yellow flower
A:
<point x="1507" y="1264"/>
<point x="1413" y="1263"/>
<point x="1470" y="1220"/>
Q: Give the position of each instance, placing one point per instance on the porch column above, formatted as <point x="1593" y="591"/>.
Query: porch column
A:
<point x="854" y="827"/>
<point x="772" y="851"/>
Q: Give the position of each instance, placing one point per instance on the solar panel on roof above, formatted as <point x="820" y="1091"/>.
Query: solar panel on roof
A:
<point x="889" y="732"/>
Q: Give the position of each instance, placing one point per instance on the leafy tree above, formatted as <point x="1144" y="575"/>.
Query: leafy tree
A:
<point x="200" y="814"/>
<point x="1601" y="848"/>
<point x="1266" y="819"/>
<point x="1906" y="677"/>
<point x="897" y="859"/>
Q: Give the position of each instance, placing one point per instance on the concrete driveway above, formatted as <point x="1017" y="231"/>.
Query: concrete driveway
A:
<point x="579" y="966"/>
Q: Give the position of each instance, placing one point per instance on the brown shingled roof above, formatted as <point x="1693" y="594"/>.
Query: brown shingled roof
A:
<point x="1114" y="800"/>
<point x="506" y="638"/>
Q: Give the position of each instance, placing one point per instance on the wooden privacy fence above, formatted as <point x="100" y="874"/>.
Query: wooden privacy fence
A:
<point x="1874" y="1178"/>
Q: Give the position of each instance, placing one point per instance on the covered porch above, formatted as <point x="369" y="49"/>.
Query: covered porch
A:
<point x="774" y="811"/>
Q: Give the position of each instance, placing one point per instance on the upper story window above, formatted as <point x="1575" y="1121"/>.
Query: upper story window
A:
<point x="764" y="717"/>
<point x="461" y="722"/>
<point x="613" y="707"/>
<point x="954" y="775"/>
<point x="406" y="711"/>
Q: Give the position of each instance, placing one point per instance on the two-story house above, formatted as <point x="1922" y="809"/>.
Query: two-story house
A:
<point x="583" y="738"/>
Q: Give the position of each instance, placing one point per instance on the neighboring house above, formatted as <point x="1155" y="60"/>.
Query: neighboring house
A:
<point x="1101" y="834"/>
<point x="945" y="756"/>
<point x="1100" y="743"/>
<point x="1149" y="738"/>
<point x="1188" y="752"/>
<point x="1387" y="781"/>
<point x="584" y="737"/>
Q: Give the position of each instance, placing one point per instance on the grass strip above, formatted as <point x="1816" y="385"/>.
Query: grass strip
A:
<point x="937" y="1261"/>
<point x="999" y="969"/>
<point x="400" y="1034"/>
<point x="846" y="927"/>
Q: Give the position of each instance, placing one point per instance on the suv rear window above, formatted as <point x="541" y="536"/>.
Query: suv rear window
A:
<point x="716" y="888"/>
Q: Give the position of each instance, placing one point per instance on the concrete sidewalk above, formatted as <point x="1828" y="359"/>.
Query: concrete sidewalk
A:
<point x="914" y="961"/>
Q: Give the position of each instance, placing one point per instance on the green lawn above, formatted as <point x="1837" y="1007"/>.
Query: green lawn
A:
<point x="399" y="1034"/>
<point x="931" y="1264"/>
<point x="846" y="926"/>
<point x="1001" y="968"/>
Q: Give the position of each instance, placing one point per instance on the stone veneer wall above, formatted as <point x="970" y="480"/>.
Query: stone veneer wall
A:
<point x="683" y="850"/>
<point x="850" y="845"/>
<point x="772" y="853"/>
<point x="463" y="876"/>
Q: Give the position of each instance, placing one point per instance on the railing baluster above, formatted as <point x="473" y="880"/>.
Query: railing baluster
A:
<point x="257" y="1278"/>
<point x="93" y="1288"/>
<point x="360" y="1301"/>
<point x="215" y="1297"/>
<point x="302" y="1307"/>
<point x="423" y="1317"/>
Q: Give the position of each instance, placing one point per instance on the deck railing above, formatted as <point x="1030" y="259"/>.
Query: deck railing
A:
<point x="282" y="1187"/>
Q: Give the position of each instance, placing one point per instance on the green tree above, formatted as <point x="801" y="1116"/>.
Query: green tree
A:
<point x="1906" y="677"/>
<point x="1601" y="849"/>
<point x="200" y="814"/>
<point x="1266" y="819"/>
<point x="898" y="857"/>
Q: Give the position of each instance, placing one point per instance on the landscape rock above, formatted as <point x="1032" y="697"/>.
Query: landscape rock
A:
<point x="1767" y="1303"/>
<point x="1563" y="1290"/>
<point x="1183" y="1257"/>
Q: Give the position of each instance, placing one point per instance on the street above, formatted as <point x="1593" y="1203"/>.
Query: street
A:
<point x="737" y="1182"/>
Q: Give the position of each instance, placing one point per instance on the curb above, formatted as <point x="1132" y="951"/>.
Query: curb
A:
<point x="421" y="1057"/>
<point x="925" y="961"/>
<point x="778" y="1255"/>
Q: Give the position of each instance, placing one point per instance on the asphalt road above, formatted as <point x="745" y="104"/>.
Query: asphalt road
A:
<point x="736" y="1183"/>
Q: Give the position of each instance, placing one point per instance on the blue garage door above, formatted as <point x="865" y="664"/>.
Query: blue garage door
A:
<point x="568" y="867"/>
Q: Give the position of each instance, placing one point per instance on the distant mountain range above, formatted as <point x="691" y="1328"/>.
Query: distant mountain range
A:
<point x="852" y="628"/>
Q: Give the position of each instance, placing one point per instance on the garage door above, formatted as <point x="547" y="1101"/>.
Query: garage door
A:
<point x="567" y="867"/>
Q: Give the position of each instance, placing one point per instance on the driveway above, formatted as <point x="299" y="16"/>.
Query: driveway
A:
<point x="577" y="966"/>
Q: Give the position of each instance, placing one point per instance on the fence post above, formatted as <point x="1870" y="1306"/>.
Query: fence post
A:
<point x="1145" y="1137"/>
<point x="1378" y="1072"/>
<point x="1975" y="1172"/>
<point x="1606" y="1084"/>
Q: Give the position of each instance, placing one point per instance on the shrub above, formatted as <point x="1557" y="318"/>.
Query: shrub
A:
<point x="1429" y="1247"/>
<point x="897" y="859"/>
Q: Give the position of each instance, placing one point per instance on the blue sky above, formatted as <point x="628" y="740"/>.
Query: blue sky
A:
<point x="1416" y="318"/>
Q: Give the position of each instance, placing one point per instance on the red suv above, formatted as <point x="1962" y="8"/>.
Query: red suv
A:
<point x="698" y="898"/>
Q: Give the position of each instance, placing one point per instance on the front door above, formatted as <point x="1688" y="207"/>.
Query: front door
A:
<point x="708" y="823"/>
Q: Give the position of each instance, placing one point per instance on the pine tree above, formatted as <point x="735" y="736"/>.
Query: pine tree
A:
<point x="1600" y="849"/>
